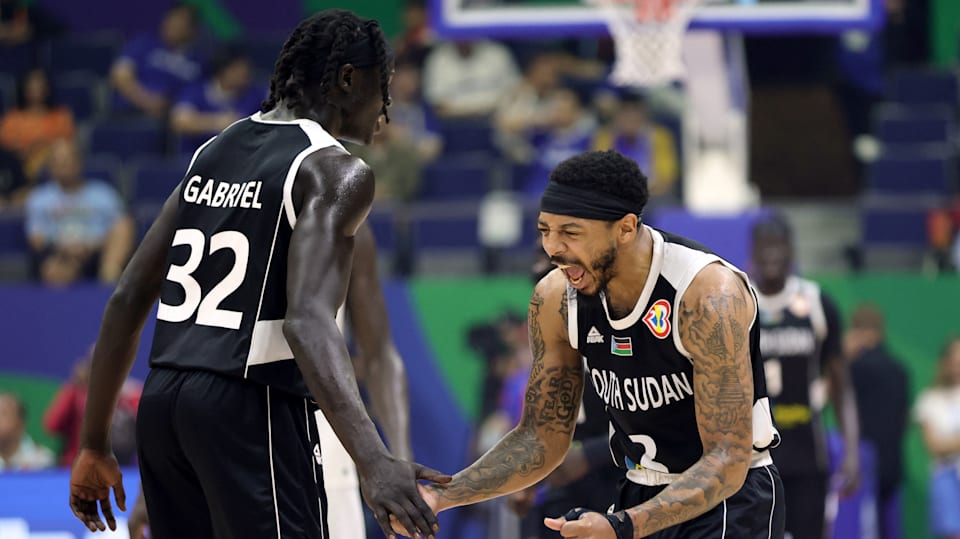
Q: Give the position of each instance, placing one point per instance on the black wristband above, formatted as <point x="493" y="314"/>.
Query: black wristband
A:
<point x="620" y="521"/>
<point x="622" y="524"/>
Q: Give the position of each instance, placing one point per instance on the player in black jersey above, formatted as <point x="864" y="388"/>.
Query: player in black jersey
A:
<point x="668" y="334"/>
<point x="379" y="368"/>
<point x="246" y="346"/>
<point x="800" y="338"/>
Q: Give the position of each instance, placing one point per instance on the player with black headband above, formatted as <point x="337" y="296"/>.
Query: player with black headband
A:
<point x="250" y="259"/>
<point x="670" y="341"/>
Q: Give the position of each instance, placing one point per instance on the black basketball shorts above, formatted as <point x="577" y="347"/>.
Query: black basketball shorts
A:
<point x="228" y="459"/>
<point x="756" y="511"/>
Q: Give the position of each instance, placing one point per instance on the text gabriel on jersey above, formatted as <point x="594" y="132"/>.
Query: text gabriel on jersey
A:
<point x="217" y="194"/>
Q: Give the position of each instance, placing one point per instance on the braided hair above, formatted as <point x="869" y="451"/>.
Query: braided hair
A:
<point x="315" y="52"/>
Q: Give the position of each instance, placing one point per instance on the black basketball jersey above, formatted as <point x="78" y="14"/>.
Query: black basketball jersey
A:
<point x="793" y="328"/>
<point x="223" y="302"/>
<point x="640" y="369"/>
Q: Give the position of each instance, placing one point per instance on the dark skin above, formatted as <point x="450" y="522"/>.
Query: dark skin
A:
<point x="332" y="194"/>
<point x="717" y="311"/>
<point x="378" y="366"/>
<point x="772" y="260"/>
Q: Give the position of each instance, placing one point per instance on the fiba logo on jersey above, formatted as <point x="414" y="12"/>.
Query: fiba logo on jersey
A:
<point x="658" y="319"/>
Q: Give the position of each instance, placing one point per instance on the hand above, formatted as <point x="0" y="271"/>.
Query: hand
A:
<point x="522" y="501"/>
<point x="391" y="491"/>
<point x="848" y="476"/>
<point x="138" y="522"/>
<point x="590" y="525"/>
<point x="94" y="474"/>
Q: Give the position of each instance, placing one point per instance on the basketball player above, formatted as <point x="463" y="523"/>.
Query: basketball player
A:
<point x="801" y="342"/>
<point x="378" y="366"/>
<point x="250" y="258"/>
<point x="671" y="345"/>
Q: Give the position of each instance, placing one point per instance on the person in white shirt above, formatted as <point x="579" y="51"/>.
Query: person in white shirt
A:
<point x="938" y="412"/>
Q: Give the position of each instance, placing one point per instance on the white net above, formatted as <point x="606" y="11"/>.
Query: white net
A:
<point x="648" y="35"/>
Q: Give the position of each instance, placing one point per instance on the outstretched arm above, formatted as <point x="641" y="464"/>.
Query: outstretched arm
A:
<point x="333" y="192"/>
<point x="714" y="323"/>
<point x="537" y="445"/>
<point x="95" y="470"/>
<point x="379" y="365"/>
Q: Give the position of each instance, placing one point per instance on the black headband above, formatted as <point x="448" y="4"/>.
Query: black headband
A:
<point x="585" y="203"/>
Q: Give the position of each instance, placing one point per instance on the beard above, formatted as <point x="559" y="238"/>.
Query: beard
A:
<point x="602" y="267"/>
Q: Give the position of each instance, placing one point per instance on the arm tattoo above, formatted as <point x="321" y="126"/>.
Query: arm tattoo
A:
<point x="537" y="346"/>
<point x="713" y="329"/>
<point x="550" y="406"/>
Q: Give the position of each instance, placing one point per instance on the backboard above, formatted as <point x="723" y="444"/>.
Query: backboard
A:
<point x="554" y="18"/>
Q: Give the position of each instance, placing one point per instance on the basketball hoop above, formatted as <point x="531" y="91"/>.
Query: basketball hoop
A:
<point x="648" y="39"/>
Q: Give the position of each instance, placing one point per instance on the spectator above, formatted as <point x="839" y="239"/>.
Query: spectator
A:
<point x="651" y="146"/>
<point x="207" y="107"/>
<point x="64" y="415"/>
<point x="938" y="412"/>
<point x="23" y="22"/>
<point x="569" y="129"/>
<point x="35" y="123"/>
<point x="882" y="386"/>
<point x="524" y="111"/>
<point x="468" y="78"/>
<point x="417" y="37"/>
<point x="395" y="160"/>
<point x="408" y="113"/>
<point x="77" y="229"/>
<point x="152" y="70"/>
<point x="17" y="450"/>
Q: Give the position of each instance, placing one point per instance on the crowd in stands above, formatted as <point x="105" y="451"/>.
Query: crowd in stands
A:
<point x="468" y="117"/>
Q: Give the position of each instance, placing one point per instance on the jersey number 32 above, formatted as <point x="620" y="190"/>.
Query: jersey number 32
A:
<point x="207" y="308"/>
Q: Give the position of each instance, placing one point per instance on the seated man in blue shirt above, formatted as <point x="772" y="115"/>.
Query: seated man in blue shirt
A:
<point x="207" y="107"/>
<point x="77" y="229"/>
<point x="153" y="69"/>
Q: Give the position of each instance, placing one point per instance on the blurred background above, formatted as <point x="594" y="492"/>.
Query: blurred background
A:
<point x="841" y="114"/>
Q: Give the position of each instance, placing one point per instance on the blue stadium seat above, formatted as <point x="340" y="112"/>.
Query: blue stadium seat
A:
<point x="13" y="238"/>
<point x="911" y="173"/>
<point x="153" y="179"/>
<point x="107" y="168"/>
<point x="900" y="125"/>
<point x="446" y="232"/>
<point x="887" y="226"/>
<point x="94" y="53"/>
<point x="77" y="94"/>
<point x="453" y="177"/>
<point x="924" y="87"/>
<point x="127" y="138"/>
<point x="461" y="136"/>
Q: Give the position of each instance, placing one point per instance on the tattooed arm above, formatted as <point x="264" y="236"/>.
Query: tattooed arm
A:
<point x="714" y="324"/>
<point x="538" y="444"/>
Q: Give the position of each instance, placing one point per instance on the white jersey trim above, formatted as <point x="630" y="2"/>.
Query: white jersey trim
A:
<point x="319" y="139"/>
<point x="572" y="317"/>
<point x="273" y="479"/>
<point x="267" y="343"/>
<point x="263" y="349"/>
<point x="638" y="311"/>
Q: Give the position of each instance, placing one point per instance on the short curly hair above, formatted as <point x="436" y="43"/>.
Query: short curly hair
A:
<point x="773" y="226"/>
<point x="608" y="172"/>
<point x="314" y="53"/>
